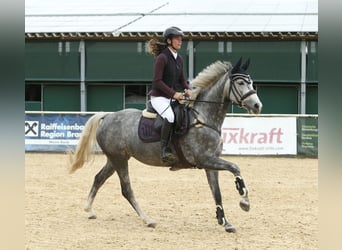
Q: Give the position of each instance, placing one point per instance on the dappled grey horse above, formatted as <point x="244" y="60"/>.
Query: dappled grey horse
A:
<point x="117" y="135"/>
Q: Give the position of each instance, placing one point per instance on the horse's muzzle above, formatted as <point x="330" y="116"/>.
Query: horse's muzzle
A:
<point x="253" y="104"/>
<point x="256" y="109"/>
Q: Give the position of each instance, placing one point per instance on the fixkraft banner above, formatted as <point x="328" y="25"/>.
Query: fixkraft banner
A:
<point x="259" y="136"/>
<point x="53" y="132"/>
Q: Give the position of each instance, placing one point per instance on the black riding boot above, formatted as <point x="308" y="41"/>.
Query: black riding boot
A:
<point x="166" y="154"/>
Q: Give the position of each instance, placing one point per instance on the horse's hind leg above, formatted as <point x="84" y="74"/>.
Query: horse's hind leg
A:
<point x="212" y="177"/>
<point x="127" y="192"/>
<point x="107" y="171"/>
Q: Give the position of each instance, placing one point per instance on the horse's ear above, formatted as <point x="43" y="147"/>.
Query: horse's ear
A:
<point x="236" y="67"/>
<point x="245" y="66"/>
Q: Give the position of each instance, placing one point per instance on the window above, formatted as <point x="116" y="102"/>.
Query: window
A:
<point x="135" y="94"/>
<point x="33" y="92"/>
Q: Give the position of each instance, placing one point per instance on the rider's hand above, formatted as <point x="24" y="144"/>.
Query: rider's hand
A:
<point x="187" y="92"/>
<point x="178" y="96"/>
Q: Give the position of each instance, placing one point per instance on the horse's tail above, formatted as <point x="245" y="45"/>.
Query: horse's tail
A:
<point x="86" y="143"/>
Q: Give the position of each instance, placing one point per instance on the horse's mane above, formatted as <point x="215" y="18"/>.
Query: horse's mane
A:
<point x="209" y="76"/>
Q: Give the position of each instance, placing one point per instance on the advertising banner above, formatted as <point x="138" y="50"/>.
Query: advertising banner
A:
<point x="259" y="136"/>
<point x="308" y="136"/>
<point x="53" y="132"/>
<point x="240" y="135"/>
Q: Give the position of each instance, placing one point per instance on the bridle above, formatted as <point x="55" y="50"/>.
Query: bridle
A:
<point x="233" y="89"/>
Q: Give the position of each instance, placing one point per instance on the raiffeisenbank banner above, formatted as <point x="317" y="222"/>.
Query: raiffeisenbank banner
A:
<point x="259" y="136"/>
<point x="53" y="132"/>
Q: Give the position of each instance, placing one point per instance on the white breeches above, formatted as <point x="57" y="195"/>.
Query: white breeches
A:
<point x="162" y="106"/>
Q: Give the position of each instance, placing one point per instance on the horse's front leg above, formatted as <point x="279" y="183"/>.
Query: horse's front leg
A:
<point x="243" y="191"/>
<point x="212" y="177"/>
<point x="216" y="163"/>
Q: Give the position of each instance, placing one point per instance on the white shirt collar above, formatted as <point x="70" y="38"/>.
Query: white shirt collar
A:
<point x="173" y="53"/>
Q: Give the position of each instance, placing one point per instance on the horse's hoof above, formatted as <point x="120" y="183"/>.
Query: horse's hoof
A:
<point x="230" y="229"/>
<point x="152" y="224"/>
<point x="244" y="204"/>
<point x="91" y="217"/>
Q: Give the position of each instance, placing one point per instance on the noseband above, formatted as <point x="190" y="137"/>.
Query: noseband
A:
<point x="235" y="91"/>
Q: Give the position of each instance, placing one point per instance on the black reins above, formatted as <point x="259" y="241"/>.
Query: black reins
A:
<point x="232" y="89"/>
<point x="194" y="100"/>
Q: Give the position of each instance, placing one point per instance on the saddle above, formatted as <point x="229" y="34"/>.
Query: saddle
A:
<point x="150" y="123"/>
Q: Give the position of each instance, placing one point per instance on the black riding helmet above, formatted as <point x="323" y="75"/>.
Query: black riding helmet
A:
<point x="172" y="31"/>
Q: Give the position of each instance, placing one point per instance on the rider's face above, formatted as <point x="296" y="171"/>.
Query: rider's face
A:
<point x="176" y="42"/>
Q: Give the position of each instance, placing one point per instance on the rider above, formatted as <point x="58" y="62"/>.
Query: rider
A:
<point x="168" y="75"/>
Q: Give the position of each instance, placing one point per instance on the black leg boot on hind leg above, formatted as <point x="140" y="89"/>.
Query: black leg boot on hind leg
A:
<point x="166" y="153"/>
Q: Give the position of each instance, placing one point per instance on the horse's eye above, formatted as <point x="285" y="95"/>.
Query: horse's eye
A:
<point x="240" y="83"/>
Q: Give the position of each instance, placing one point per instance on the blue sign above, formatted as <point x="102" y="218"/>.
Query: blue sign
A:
<point x="53" y="132"/>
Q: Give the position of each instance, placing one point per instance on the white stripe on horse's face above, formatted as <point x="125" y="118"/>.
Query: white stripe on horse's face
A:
<point x="253" y="104"/>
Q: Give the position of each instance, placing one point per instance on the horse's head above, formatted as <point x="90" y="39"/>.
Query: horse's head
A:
<point x="241" y="90"/>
